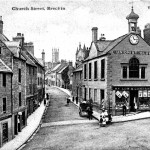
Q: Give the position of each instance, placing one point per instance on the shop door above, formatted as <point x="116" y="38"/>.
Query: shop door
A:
<point x="133" y="94"/>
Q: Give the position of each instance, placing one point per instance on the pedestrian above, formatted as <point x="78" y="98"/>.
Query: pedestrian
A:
<point x="124" y="108"/>
<point x="135" y="104"/>
<point x="89" y="112"/>
<point x="68" y="101"/>
<point x="106" y="116"/>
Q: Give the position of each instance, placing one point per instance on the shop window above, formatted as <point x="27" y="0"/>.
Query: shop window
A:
<point x="103" y="69"/>
<point x="4" y="105"/>
<point x="5" y="132"/>
<point x="134" y="68"/>
<point x="143" y="72"/>
<point x="4" y="79"/>
<point x="95" y="70"/>
<point x="144" y="99"/>
<point x="90" y="69"/>
<point x="124" y="71"/>
<point x="85" y="71"/>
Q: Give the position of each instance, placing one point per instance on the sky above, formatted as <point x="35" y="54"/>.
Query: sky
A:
<point x="64" y="29"/>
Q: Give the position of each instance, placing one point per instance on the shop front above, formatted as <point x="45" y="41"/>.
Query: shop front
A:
<point x="135" y="99"/>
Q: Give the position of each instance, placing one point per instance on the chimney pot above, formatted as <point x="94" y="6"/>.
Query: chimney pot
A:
<point x="18" y="34"/>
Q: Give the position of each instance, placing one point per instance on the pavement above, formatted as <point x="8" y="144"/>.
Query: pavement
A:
<point x="34" y="123"/>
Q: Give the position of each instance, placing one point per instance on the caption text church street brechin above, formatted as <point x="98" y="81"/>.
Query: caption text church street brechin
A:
<point x="37" y="8"/>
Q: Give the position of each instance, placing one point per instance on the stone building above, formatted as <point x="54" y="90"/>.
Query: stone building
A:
<point x="118" y="71"/>
<point x="19" y="92"/>
<point x="5" y="101"/>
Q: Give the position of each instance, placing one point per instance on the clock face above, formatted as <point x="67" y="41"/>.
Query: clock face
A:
<point x="134" y="39"/>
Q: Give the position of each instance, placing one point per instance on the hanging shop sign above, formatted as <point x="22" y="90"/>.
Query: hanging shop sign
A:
<point x="145" y="93"/>
<point x="118" y="94"/>
<point x="125" y="94"/>
<point x="140" y="93"/>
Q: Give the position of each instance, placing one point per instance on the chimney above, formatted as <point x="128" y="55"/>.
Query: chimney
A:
<point x="102" y="38"/>
<point x="146" y="33"/>
<point x="1" y="25"/>
<point x="94" y="34"/>
<point x="30" y="47"/>
<point x="19" y="37"/>
<point x="43" y="56"/>
<point x="70" y="63"/>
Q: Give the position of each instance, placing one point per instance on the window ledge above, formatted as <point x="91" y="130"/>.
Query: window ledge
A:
<point x="85" y="79"/>
<point x="90" y="79"/>
<point x="102" y="79"/>
<point x="95" y="79"/>
<point x="133" y="79"/>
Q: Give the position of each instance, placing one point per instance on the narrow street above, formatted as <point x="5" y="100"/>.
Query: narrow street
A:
<point x="59" y="132"/>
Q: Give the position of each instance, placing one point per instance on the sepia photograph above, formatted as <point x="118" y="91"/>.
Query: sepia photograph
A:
<point x="74" y="75"/>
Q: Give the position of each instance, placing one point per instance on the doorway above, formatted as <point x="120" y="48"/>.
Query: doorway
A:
<point x="133" y="95"/>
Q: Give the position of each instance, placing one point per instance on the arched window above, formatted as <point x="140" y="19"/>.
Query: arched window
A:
<point x="134" y="68"/>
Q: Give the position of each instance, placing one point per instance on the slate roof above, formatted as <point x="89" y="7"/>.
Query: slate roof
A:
<point x="113" y="44"/>
<point x="55" y="68"/>
<point x="4" y="67"/>
<point x="35" y="58"/>
<point x="28" y="60"/>
<point x="14" y="46"/>
<point x="79" y="68"/>
<point x="103" y="47"/>
<point x="62" y="67"/>
<point x="3" y="37"/>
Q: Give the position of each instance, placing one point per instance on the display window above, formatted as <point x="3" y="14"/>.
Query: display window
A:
<point x="121" y="98"/>
<point x="144" y="99"/>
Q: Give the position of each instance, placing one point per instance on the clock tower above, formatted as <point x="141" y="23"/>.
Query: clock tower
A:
<point x="132" y="21"/>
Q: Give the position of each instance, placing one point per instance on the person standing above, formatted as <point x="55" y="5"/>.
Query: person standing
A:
<point x="124" y="109"/>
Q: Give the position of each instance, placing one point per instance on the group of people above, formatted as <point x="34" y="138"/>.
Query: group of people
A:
<point x="105" y="118"/>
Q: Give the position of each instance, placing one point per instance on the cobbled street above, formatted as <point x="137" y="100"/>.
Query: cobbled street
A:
<point x="60" y="132"/>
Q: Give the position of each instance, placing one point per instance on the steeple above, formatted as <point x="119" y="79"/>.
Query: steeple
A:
<point x="132" y="21"/>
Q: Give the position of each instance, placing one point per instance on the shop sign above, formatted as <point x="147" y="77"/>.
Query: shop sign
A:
<point x="145" y="93"/>
<point x="118" y="94"/>
<point x="140" y="94"/>
<point x="125" y="94"/>
<point x="148" y="93"/>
